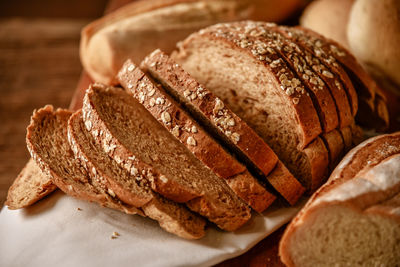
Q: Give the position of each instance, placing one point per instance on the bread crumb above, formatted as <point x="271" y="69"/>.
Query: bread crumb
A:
<point x="79" y="209"/>
<point x="115" y="235"/>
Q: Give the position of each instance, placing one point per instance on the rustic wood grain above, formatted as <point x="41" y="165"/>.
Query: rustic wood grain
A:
<point x="39" y="64"/>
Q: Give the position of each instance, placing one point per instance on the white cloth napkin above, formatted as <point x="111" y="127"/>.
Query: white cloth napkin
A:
<point x="54" y="232"/>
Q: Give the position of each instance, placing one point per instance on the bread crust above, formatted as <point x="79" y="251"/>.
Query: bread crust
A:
<point x="185" y="129"/>
<point x="26" y="190"/>
<point x="367" y="89"/>
<point x="334" y="143"/>
<point x="341" y="89"/>
<point x="315" y="86"/>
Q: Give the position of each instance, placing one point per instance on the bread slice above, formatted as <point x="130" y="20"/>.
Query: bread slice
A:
<point x="248" y="80"/>
<point x="133" y="190"/>
<point x="30" y="186"/>
<point x="186" y="130"/>
<point x="139" y="143"/>
<point x="48" y="145"/>
<point x="206" y="108"/>
<point x="354" y="223"/>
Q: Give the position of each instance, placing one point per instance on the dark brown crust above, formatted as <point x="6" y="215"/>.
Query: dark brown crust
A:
<point x="70" y="185"/>
<point x="167" y="71"/>
<point x="334" y="85"/>
<point x="199" y="142"/>
<point x="317" y="155"/>
<point x="308" y="120"/>
<point x="334" y="142"/>
<point x="196" y="201"/>
<point x="347" y="136"/>
<point x="281" y="178"/>
<point x="367" y="89"/>
<point x="320" y="49"/>
<point x="315" y="86"/>
<point x="24" y="179"/>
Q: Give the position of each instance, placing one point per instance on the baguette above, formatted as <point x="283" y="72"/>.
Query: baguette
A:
<point x="353" y="219"/>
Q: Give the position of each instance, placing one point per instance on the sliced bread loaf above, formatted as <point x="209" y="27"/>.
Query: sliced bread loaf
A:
<point x="47" y="142"/>
<point x="131" y="189"/>
<point x="355" y="222"/>
<point x="139" y="143"/>
<point x="259" y="87"/>
<point x="30" y="186"/>
<point x="186" y="130"/>
<point x="225" y="125"/>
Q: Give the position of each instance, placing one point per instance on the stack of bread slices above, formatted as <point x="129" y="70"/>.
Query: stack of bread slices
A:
<point x="240" y="115"/>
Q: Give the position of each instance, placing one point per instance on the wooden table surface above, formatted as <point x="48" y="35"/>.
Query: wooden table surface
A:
<point x="39" y="65"/>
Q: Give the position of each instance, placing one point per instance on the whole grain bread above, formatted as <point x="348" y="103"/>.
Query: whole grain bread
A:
<point x="131" y="189"/>
<point x="372" y="101"/>
<point x="269" y="97"/>
<point x="342" y="219"/>
<point x="138" y="142"/>
<point x="318" y="75"/>
<point x="30" y="186"/>
<point x="48" y="145"/>
<point x="187" y="131"/>
<point x="225" y="125"/>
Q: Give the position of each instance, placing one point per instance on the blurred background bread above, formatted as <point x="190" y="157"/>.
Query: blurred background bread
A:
<point x="374" y="37"/>
<point x="142" y="26"/>
<point x="328" y="17"/>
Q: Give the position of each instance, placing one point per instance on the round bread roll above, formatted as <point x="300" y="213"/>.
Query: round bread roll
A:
<point x="374" y="36"/>
<point x="329" y="18"/>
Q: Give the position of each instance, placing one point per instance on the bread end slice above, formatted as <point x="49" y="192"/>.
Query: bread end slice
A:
<point x="30" y="186"/>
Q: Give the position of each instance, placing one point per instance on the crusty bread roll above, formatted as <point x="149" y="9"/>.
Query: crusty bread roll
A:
<point x="329" y="18"/>
<point x="138" y="28"/>
<point x="374" y="37"/>
<point x="354" y="219"/>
